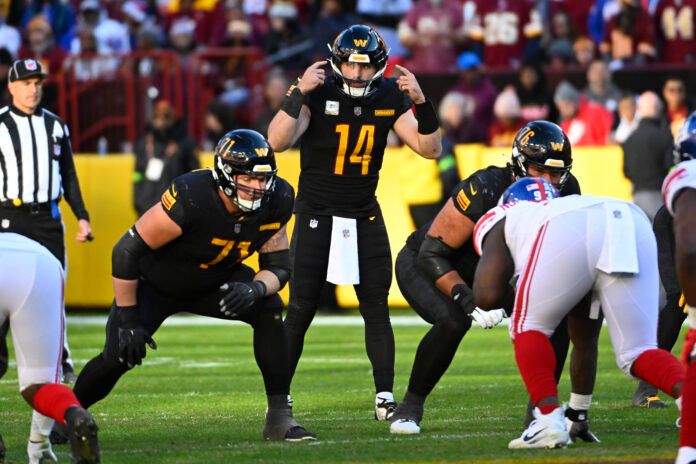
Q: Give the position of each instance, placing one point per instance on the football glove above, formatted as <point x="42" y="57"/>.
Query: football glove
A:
<point x="132" y="336"/>
<point x="464" y="297"/>
<point x="239" y="297"/>
<point x="487" y="319"/>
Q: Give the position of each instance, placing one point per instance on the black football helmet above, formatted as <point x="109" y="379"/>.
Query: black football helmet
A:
<point x="358" y="44"/>
<point x="544" y="144"/>
<point x="685" y="143"/>
<point x="245" y="152"/>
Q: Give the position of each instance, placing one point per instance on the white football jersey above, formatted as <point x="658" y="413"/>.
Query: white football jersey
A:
<point x="525" y="218"/>
<point x="683" y="176"/>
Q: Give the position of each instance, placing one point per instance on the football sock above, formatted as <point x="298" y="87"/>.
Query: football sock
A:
<point x="278" y="402"/>
<point x="659" y="368"/>
<point x="414" y="399"/>
<point x="379" y="344"/>
<point x="40" y="427"/>
<point x="670" y="323"/>
<point x="296" y="324"/>
<point x="384" y="396"/>
<point x="270" y="351"/>
<point x="53" y="400"/>
<point x="580" y="402"/>
<point x="536" y="362"/>
<point x="97" y="378"/>
<point x="687" y="433"/>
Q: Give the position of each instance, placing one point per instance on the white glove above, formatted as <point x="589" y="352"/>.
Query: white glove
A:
<point x="487" y="319"/>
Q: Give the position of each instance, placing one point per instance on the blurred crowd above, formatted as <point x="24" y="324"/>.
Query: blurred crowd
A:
<point x="467" y="38"/>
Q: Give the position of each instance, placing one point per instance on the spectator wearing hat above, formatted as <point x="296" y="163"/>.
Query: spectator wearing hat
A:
<point x="508" y="119"/>
<point x="38" y="171"/>
<point x="288" y="44"/>
<point x="648" y="154"/>
<point x="531" y="89"/>
<point x="134" y="17"/>
<point x="60" y="16"/>
<point x="481" y="92"/>
<point x="164" y="152"/>
<point x="432" y="30"/>
<point x="110" y="35"/>
<point x="584" y="122"/>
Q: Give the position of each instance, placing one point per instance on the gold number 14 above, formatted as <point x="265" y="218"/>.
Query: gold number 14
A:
<point x="366" y="140"/>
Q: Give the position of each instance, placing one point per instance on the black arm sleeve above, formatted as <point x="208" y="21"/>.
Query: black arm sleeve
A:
<point x="71" y="186"/>
<point x="277" y="262"/>
<point x="126" y="255"/>
<point x="433" y="257"/>
<point x="662" y="226"/>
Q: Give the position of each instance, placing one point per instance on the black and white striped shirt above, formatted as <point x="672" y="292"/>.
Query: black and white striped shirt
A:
<point x="36" y="160"/>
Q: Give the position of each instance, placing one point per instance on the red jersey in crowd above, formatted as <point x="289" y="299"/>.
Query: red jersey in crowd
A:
<point x="590" y="126"/>
<point x="675" y="23"/>
<point x="504" y="26"/>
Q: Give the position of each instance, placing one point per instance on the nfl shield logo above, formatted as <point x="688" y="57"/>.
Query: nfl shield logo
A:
<point x="30" y="65"/>
<point x="357" y="110"/>
<point x="313" y="223"/>
<point x="237" y="228"/>
<point x="346" y="233"/>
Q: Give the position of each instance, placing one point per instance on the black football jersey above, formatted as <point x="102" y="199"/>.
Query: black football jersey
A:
<point x="214" y="241"/>
<point x="664" y="232"/>
<point x="342" y="149"/>
<point x="473" y="197"/>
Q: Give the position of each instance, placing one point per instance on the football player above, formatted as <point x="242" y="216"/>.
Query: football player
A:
<point x="559" y="250"/>
<point x="435" y="270"/>
<point x="31" y="290"/>
<point x="342" y="122"/>
<point x="186" y="253"/>
<point x="679" y="193"/>
<point x="673" y="313"/>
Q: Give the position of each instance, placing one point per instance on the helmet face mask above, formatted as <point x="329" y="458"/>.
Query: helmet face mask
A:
<point x="685" y="143"/>
<point x="529" y="189"/>
<point x="361" y="45"/>
<point x="543" y="145"/>
<point x="245" y="153"/>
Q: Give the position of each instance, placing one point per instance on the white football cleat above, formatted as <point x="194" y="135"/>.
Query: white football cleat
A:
<point x="404" y="427"/>
<point x="384" y="406"/>
<point x="545" y="431"/>
<point x="41" y="453"/>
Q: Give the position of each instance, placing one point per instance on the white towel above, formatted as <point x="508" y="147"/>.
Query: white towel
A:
<point x="343" y="256"/>
<point x="619" y="252"/>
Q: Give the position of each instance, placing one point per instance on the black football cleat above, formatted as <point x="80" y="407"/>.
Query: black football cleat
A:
<point x="384" y="409"/>
<point x="59" y="434"/>
<point x="646" y="396"/>
<point x="299" y="433"/>
<point x="280" y="425"/>
<point x="82" y="432"/>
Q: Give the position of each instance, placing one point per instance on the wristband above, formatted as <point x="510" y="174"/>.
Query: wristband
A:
<point x="293" y="103"/>
<point x="427" y="118"/>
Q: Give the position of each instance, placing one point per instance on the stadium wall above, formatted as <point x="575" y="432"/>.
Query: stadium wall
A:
<point x="406" y="179"/>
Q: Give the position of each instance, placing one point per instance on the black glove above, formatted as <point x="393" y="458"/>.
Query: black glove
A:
<point x="132" y="336"/>
<point x="464" y="297"/>
<point x="239" y="297"/>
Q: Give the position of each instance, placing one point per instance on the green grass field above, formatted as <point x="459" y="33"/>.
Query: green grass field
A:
<point x="199" y="398"/>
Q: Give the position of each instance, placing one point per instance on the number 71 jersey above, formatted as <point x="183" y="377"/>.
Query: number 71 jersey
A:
<point x="342" y="149"/>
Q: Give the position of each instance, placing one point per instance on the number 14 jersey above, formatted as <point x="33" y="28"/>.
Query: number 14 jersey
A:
<point x="342" y="149"/>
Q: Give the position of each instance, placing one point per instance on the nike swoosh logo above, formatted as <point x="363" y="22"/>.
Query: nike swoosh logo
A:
<point x="472" y="190"/>
<point x="531" y="437"/>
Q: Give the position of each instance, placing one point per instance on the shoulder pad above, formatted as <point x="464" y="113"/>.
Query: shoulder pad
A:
<point x="683" y="176"/>
<point x="486" y="223"/>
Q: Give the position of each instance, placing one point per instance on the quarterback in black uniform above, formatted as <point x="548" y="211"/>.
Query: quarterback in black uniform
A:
<point x="186" y="253"/>
<point x="436" y="267"/>
<point x="342" y="122"/>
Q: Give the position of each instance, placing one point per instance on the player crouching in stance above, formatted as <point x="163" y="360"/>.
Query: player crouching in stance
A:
<point x="587" y="243"/>
<point x="679" y="194"/>
<point x="31" y="297"/>
<point x="186" y="253"/>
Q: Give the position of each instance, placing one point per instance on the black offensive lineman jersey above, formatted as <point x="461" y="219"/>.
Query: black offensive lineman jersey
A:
<point x="214" y="241"/>
<point x="664" y="232"/>
<point x="473" y="197"/>
<point x="342" y="149"/>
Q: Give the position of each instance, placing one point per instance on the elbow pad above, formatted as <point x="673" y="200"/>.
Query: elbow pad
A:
<point x="433" y="257"/>
<point x="277" y="262"/>
<point x="127" y="253"/>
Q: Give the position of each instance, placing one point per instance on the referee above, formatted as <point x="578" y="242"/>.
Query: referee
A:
<point x="36" y="169"/>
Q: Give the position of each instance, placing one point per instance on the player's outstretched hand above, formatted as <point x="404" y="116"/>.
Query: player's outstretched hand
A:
<point x="239" y="297"/>
<point x="132" y="337"/>
<point x="312" y="78"/>
<point x="487" y="319"/>
<point x="409" y="85"/>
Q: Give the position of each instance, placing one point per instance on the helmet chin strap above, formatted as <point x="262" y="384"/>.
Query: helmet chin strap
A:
<point x="357" y="92"/>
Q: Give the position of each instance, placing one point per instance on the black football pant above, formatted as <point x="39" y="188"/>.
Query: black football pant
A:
<point x="100" y="374"/>
<point x="438" y="347"/>
<point x="311" y="240"/>
<point x="43" y="228"/>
